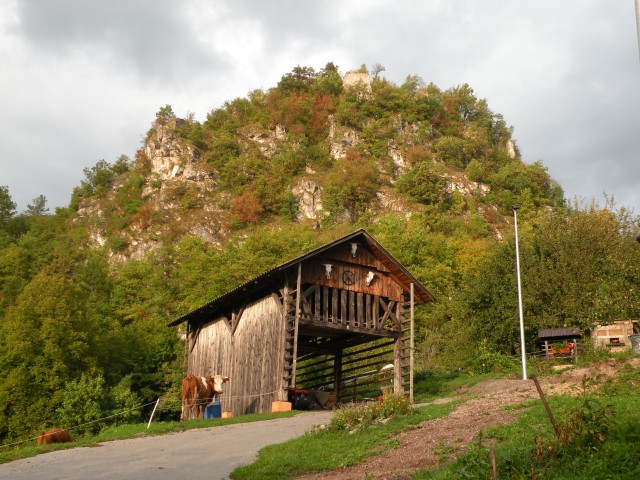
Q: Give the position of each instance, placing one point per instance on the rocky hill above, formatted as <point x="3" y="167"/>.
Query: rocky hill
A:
<point x="319" y="148"/>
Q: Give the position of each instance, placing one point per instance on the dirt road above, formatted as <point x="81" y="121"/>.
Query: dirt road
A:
<point x="208" y="453"/>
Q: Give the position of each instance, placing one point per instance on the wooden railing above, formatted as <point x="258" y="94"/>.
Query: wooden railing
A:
<point x="338" y="307"/>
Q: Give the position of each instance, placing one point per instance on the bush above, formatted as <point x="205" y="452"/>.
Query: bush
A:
<point x="124" y="402"/>
<point x="84" y="404"/>
<point x="353" y="417"/>
<point x="489" y="361"/>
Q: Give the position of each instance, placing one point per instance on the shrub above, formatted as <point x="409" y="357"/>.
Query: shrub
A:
<point x="124" y="402"/>
<point x="246" y="208"/>
<point x="451" y="151"/>
<point x="490" y="361"/>
<point x="83" y="404"/>
<point x="352" y="417"/>
<point x="424" y="184"/>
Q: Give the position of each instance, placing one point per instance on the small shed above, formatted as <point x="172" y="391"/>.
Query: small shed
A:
<point x="550" y="336"/>
<point x="331" y="321"/>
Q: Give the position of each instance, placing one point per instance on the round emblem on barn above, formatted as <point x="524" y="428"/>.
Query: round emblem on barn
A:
<point x="348" y="277"/>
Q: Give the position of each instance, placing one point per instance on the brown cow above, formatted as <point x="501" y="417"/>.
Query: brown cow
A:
<point x="56" y="435"/>
<point x="198" y="392"/>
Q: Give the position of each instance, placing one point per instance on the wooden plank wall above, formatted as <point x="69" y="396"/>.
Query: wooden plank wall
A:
<point x="383" y="285"/>
<point x="341" y="258"/>
<point x="252" y="357"/>
<point x="206" y="361"/>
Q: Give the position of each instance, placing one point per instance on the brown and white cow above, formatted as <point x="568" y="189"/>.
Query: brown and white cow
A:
<point x="198" y="392"/>
<point x="56" y="435"/>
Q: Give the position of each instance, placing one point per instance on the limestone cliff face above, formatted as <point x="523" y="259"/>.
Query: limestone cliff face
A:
<point x="265" y="140"/>
<point x="309" y="199"/>
<point x="340" y="139"/>
<point x="171" y="157"/>
<point x="178" y="195"/>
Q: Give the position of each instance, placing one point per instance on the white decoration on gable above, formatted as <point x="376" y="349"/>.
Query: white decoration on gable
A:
<point x="370" y="277"/>
<point x="327" y="268"/>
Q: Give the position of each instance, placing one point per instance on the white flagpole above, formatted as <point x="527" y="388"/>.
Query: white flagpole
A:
<point x="522" y="347"/>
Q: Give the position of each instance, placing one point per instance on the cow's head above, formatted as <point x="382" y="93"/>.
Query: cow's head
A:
<point x="216" y="382"/>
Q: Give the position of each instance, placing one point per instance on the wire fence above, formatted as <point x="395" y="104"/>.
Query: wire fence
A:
<point x="542" y="353"/>
<point x="76" y="427"/>
<point x="163" y="405"/>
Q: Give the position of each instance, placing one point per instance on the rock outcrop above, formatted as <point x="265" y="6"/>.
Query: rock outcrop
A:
<point x="309" y="196"/>
<point x="170" y="156"/>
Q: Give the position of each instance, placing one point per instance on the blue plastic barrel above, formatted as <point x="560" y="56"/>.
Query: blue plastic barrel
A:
<point x="213" y="411"/>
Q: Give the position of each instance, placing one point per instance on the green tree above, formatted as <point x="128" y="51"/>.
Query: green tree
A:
<point x="423" y="183"/>
<point x="351" y="186"/>
<point x="46" y="341"/>
<point x="84" y="405"/>
<point x="300" y="79"/>
<point x="329" y="80"/>
<point x="165" y="114"/>
<point x="38" y="206"/>
<point x="7" y="206"/>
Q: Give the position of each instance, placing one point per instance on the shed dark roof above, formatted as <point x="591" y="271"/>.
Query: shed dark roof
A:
<point x="558" y="332"/>
<point x="260" y="284"/>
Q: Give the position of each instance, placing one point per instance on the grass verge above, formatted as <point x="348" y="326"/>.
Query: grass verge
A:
<point x="136" y="430"/>
<point x="324" y="450"/>
<point x="431" y="385"/>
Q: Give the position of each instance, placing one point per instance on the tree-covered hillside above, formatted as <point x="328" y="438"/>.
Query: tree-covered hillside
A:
<point x="86" y="293"/>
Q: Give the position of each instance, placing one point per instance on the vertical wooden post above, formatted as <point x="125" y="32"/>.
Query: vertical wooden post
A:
<point x="398" y="350"/>
<point x="295" y="328"/>
<point x="187" y="344"/>
<point x="282" y="391"/>
<point x="397" y="365"/>
<point x="337" y="374"/>
<point x="411" y="344"/>
<point x="494" y="465"/>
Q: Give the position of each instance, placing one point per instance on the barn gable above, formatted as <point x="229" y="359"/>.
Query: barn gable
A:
<point x="352" y="317"/>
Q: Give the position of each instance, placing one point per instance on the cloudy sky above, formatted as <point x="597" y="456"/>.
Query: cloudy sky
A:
<point x="81" y="81"/>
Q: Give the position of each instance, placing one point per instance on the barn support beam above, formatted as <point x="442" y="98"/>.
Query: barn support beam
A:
<point x="398" y="353"/>
<point x="296" y="325"/>
<point x="337" y="374"/>
<point x="411" y="342"/>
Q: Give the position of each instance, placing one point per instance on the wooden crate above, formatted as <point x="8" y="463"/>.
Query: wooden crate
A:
<point x="279" y="406"/>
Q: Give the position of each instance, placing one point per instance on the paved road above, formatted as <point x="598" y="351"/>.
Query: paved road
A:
<point x="206" y="453"/>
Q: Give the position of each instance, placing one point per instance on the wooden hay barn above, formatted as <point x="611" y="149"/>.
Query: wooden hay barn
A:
<point x="337" y="320"/>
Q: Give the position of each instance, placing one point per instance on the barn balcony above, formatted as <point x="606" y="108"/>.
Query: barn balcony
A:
<point x="340" y="309"/>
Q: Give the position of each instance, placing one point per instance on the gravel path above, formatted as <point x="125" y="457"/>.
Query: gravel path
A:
<point x="206" y="453"/>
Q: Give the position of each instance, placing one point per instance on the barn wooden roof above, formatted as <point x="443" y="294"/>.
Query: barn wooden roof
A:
<point x="262" y="284"/>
